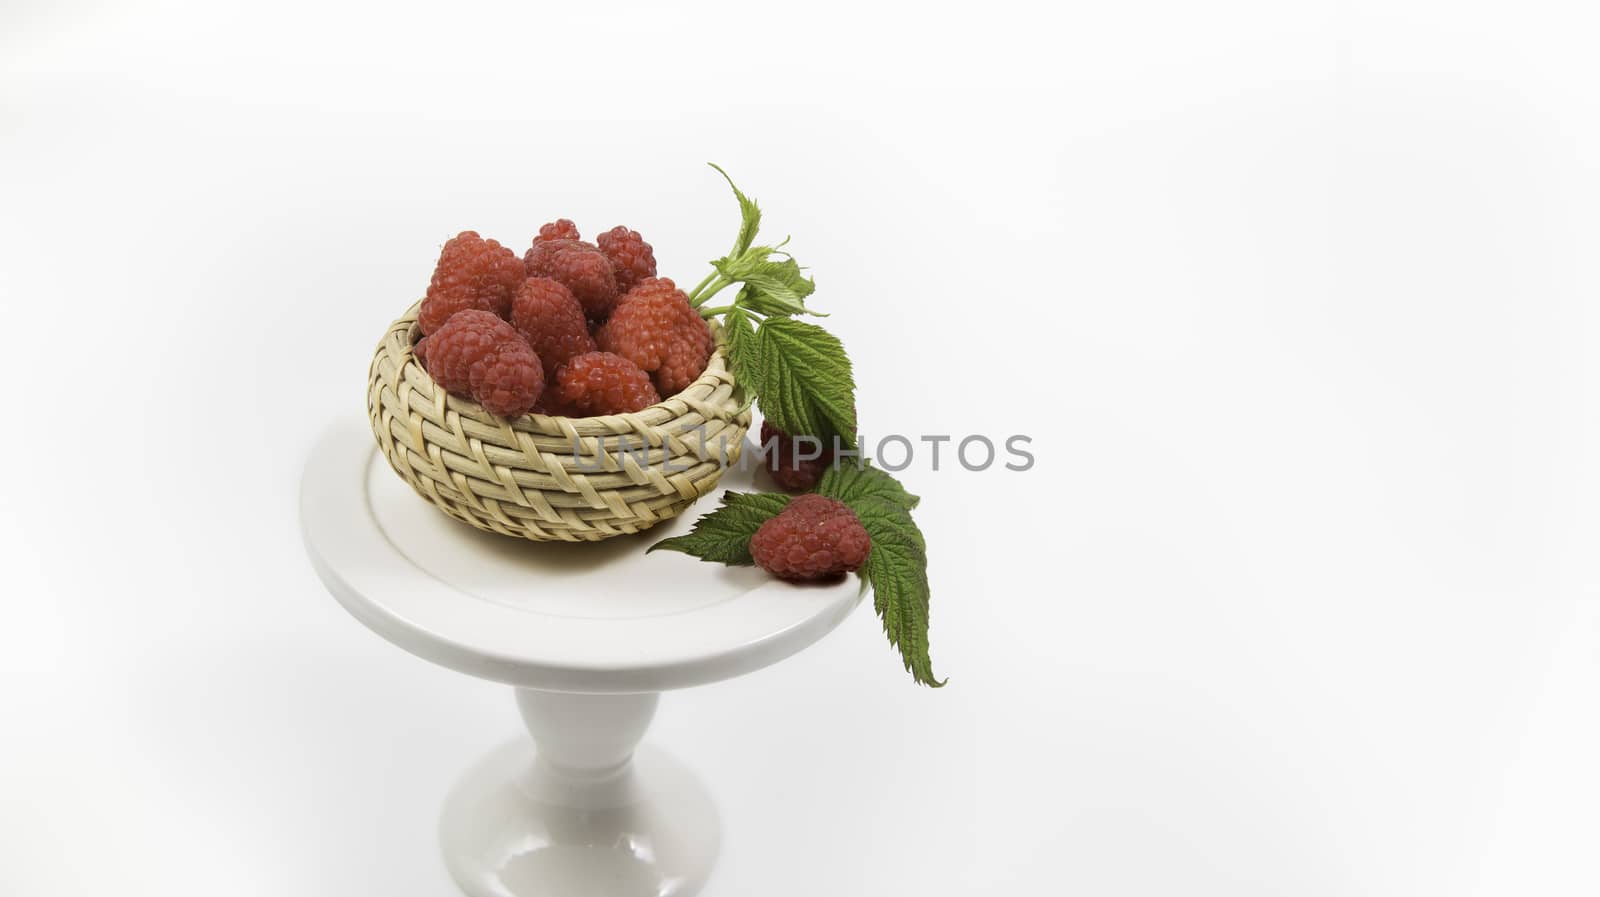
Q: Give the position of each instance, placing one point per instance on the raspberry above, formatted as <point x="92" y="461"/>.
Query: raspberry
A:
<point x="578" y="266"/>
<point x="548" y="403"/>
<point x="792" y="472"/>
<point x="630" y="255"/>
<point x="654" y="327"/>
<point x="560" y="229"/>
<point x="477" y="355"/>
<point x="472" y="273"/>
<point x="538" y="256"/>
<point x="815" y="537"/>
<point x="596" y="383"/>
<point x="552" y="322"/>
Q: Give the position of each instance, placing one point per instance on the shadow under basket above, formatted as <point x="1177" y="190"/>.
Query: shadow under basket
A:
<point x="552" y="478"/>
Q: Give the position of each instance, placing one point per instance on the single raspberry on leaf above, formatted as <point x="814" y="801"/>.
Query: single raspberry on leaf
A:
<point x="814" y="537"/>
<point x="578" y="266"/>
<point x="560" y="229"/>
<point x="472" y="273"/>
<point x="630" y="256"/>
<point x="551" y="320"/>
<point x="788" y="458"/>
<point x="654" y="327"/>
<point x="477" y="355"/>
<point x="597" y="383"/>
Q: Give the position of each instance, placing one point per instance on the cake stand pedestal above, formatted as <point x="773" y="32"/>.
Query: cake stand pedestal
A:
<point x="589" y="635"/>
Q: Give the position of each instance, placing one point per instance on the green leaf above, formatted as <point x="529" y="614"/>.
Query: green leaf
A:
<point x="881" y="512"/>
<point x="781" y="278"/>
<point x="897" y="567"/>
<point x="773" y="287"/>
<point x="743" y="359"/>
<point x="757" y="301"/>
<point x="723" y="535"/>
<point x="806" y="386"/>
<point x="743" y="350"/>
<point x="851" y="483"/>
<point x="749" y="215"/>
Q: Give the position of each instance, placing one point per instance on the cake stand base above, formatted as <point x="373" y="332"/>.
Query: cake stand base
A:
<point x="584" y="815"/>
<point x="588" y="635"/>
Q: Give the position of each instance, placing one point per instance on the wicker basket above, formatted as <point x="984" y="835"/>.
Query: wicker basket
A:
<point x="548" y="478"/>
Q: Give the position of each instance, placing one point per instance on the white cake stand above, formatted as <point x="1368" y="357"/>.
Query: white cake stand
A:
<point x="589" y="634"/>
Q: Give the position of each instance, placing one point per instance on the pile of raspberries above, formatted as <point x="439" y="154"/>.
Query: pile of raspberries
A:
<point x="572" y="328"/>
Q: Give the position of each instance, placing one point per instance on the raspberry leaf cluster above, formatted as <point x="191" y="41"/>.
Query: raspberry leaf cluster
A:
<point x="797" y="372"/>
<point x="800" y="377"/>
<point x="896" y="567"/>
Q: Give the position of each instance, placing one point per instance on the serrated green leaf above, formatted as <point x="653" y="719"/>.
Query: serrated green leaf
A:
<point x="806" y="386"/>
<point x="783" y="278"/>
<point x="767" y="304"/>
<point x="875" y="512"/>
<point x="753" y="296"/>
<point x="723" y="536"/>
<point x="774" y="286"/>
<point x="749" y="215"/>
<point x="850" y="483"/>
<point x="757" y="301"/>
<point x="743" y="357"/>
<point x="897" y="567"/>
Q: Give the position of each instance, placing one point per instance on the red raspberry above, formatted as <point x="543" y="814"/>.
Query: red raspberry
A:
<point x="542" y="251"/>
<point x="449" y="360"/>
<point x="552" y="322"/>
<point x="581" y="268"/>
<point x="596" y="383"/>
<point x="472" y="273"/>
<point x="560" y="229"/>
<point x="630" y="255"/>
<point x="815" y="537"/>
<point x="655" y="328"/>
<point x="478" y="356"/>
<point x="792" y="472"/>
<point x="548" y="402"/>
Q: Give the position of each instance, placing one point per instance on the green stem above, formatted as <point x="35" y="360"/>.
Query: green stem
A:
<point x="702" y="293"/>
<point x="713" y="312"/>
<point x="702" y="284"/>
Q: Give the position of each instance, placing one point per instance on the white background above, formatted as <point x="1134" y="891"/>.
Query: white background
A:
<point x="1297" y="303"/>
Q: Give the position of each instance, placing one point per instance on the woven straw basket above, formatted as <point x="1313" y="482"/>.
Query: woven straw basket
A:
<point x="552" y="478"/>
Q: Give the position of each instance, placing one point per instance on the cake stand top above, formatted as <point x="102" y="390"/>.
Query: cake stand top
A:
<point x="588" y="617"/>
